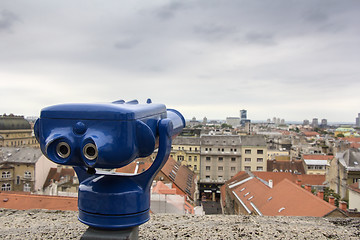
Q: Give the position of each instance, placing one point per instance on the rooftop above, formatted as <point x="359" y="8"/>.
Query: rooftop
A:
<point x="12" y="122"/>
<point x="19" y="155"/>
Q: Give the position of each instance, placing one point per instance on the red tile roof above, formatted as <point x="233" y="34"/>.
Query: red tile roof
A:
<point x="285" y="165"/>
<point x="317" y="157"/>
<point x="311" y="134"/>
<point x="161" y="188"/>
<point x="288" y="199"/>
<point x="277" y="177"/>
<point x="252" y="191"/>
<point x="180" y="175"/>
<point x="29" y="201"/>
<point x="351" y="139"/>
<point x="56" y="174"/>
<point x="285" y="198"/>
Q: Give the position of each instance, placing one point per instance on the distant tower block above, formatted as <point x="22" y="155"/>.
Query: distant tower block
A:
<point x="315" y="122"/>
<point x="204" y="120"/>
<point x="357" y="121"/>
<point x="306" y="122"/>
<point x="323" y="122"/>
<point x="243" y="114"/>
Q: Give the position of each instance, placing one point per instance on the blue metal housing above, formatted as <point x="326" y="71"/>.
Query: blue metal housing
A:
<point x="112" y="135"/>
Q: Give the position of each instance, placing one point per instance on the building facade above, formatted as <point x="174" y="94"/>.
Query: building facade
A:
<point x="15" y="131"/>
<point x="17" y="167"/>
<point x="343" y="171"/>
<point x="186" y="150"/>
<point x="253" y="153"/>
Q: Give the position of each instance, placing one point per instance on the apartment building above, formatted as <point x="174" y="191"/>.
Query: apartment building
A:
<point x="220" y="160"/>
<point x="17" y="166"/>
<point x="220" y="157"/>
<point x="344" y="170"/>
<point x="186" y="150"/>
<point x="253" y="153"/>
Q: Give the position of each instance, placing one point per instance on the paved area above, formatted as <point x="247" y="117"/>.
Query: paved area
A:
<point x="44" y="224"/>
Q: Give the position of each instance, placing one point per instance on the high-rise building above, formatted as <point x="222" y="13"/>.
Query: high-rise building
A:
<point x="315" y="123"/>
<point x="306" y="122"/>
<point x="323" y="123"/>
<point x="358" y="120"/>
<point x="204" y="121"/>
<point x="233" y="121"/>
<point x="243" y="114"/>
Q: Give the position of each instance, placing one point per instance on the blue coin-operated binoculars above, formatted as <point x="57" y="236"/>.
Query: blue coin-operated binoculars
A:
<point x="107" y="136"/>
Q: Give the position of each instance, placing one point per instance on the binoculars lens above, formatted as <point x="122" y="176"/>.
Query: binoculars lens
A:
<point x="90" y="151"/>
<point x="63" y="150"/>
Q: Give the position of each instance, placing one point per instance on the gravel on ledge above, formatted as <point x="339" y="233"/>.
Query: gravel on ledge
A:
<point x="48" y="224"/>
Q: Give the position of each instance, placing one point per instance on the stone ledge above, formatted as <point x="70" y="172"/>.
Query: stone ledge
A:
<point x="46" y="224"/>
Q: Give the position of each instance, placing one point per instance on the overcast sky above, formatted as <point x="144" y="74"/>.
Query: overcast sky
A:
<point x="290" y="59"/>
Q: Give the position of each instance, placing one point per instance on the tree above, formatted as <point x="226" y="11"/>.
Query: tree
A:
<point x="329" y="192"/>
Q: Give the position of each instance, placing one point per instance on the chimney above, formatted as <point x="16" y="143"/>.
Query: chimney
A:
<point x="308" y="187"/>
<point x="320" y="194"/>
<point x="298" y="182"/>
<point x="343" y="206"/>
<point x="332" y="200"/>
<point x="58" y="168"/>
<point x="271" y="183"/>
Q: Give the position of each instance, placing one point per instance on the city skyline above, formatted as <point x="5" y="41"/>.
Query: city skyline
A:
<point x="293" y="60"/>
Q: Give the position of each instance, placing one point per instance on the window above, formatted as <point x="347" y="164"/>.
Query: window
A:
<point x="218" y="149"/>
<point x="195" y="149"/>
<point x="208" y="158"/>
<point x="6" y="187"/>
<point x="207" y="168"/>
<point x="220" y="178"/>
<point x="195" y="167"/>
<point x="207" y="177"/>
<point x="27" y="187"/>
<point x="259" y="159"/>
<point x="17" y="180"/>
<point x="259" y="168"/>
<point x="210" y="149"/>
<point x="233" y="169"/>
<point x="206" y="149"/>
<point x="231" y="149"/>
<point x="247" y="168"/>
<point x="220" y="168"/>
<point x="180" y="158"/>
<point x="190" y="148"/>
<point x="260" y="151"/>
<point x="189" y="158"/>
<point x="222" y="150"/>
<point x="195" y="158"/>
<point x="221" y="158"/>
<point x="27" y="174"/>
<point x="356" y="180"/>
<point x="6" y="174"/>
<point x="247" y="159"/>
<point x="234" y="149"/>
<point x="233" y="159"/>
<point x="247" y="151"/>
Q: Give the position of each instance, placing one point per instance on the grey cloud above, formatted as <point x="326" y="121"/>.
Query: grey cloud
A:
<point x="214" y="31"/>
<point x="169" y="10"/>
<point x="315" y="16"/>
<point x="260" y="38"/>
<point x="7" y="19"/>
<point x="126" y="44"/>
